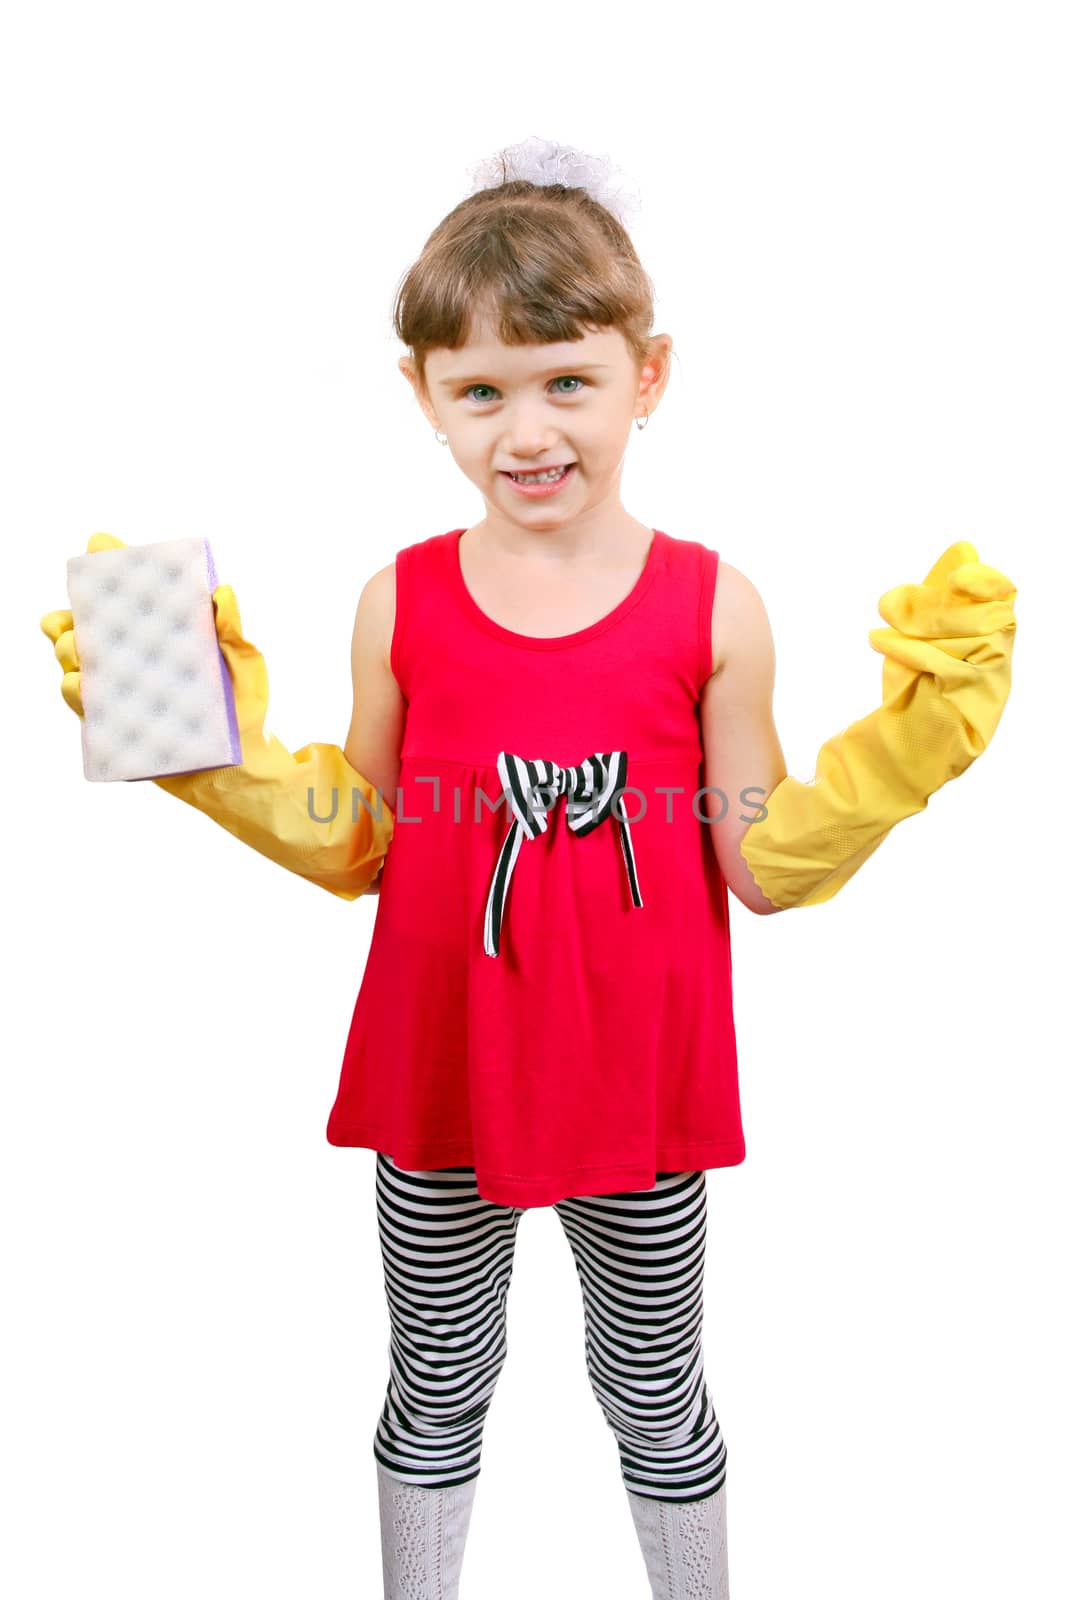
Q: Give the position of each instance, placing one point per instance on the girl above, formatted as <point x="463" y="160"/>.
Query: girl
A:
<point x="557" y="1030"/>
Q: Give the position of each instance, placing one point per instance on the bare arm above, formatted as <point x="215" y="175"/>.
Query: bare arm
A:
<point x="741" y="746"/>
<point x="376" y="731"/>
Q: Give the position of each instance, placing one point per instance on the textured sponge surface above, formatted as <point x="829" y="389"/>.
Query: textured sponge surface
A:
<point x="155" y="688"/>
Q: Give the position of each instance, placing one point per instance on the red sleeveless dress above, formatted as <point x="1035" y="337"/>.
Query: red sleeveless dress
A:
<point x="549" y="809"/>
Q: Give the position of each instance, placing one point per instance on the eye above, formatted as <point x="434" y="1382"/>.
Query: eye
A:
<point x="568" y="378"/>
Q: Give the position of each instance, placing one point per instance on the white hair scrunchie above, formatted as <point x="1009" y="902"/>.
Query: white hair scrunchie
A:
<point x="542" y="161"/>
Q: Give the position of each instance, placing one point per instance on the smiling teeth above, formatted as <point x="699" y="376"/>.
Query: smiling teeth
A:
<point x="538" y="477"/>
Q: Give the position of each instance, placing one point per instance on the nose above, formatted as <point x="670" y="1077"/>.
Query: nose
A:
<point x="532" y="434"/>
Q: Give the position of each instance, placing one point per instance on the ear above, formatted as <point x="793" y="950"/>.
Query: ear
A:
<point x="655" y="371"/>
<point x="407" y="367"/>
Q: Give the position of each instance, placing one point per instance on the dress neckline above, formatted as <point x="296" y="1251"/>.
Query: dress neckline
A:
<point x="529" y="641"/>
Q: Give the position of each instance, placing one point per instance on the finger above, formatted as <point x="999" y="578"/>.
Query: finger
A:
<point x="981" y="581"/>
<point x="71" y="688"/>
<point x="245" y="664"/>
<point x="227" y="616"/>
<point x="948" y="561"/>
<point x="66" y="653"/>
<point x="906" y="606"/>
<point x="53" y="623"/>
<point x="923" y="612"/>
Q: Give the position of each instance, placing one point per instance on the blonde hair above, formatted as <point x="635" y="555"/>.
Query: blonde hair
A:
<point x="543" y="262"/>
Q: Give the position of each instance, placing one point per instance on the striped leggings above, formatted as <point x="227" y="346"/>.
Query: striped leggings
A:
<point x="448" y="1256"/>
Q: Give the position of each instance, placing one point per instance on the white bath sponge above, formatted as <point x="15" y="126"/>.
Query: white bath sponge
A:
<point x="155" y="688"/>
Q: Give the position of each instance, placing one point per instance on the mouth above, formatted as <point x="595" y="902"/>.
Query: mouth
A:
<point x="552" y="485"/>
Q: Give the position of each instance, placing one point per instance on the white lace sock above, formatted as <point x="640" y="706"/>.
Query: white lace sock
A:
<point x="684" y="1546"/>
<point x="424" y="1532"/>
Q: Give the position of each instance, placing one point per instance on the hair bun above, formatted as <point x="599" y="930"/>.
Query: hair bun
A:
<point x="542" y="161"/>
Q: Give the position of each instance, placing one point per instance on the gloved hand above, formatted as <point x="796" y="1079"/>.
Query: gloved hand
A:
<point x="265" y="801"/>
<point x="945" y="682"/>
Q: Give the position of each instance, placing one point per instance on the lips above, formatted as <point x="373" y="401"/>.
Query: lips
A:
<point x="541" y="489"/>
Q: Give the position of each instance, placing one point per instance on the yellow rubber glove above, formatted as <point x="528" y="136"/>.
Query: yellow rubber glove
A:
<point x="265" y="801"/>
<point x="945" y="682"/>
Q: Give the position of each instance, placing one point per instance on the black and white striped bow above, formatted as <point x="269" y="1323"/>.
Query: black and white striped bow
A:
<point x="592" y="787"/>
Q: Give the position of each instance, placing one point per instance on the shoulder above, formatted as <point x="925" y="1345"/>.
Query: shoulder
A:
<point x="380" y="590"/>
<point x="378" y="598"/>
<point x="739" y="620"/>
<point x="376" y="613"/>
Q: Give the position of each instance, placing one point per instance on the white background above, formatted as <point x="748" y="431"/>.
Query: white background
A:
<point x="853" y="217"/>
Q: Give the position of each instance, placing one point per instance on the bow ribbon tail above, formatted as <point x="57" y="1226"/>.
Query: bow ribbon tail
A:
<point x="628" y="853"/>
<point x="498" y="889"/>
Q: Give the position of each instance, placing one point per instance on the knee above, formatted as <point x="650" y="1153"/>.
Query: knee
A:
<point x="666" y="1405"/>
<point x="450" y="1388"/>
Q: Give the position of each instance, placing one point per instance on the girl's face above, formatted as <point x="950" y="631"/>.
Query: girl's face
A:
<point x="525" y="408"/>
